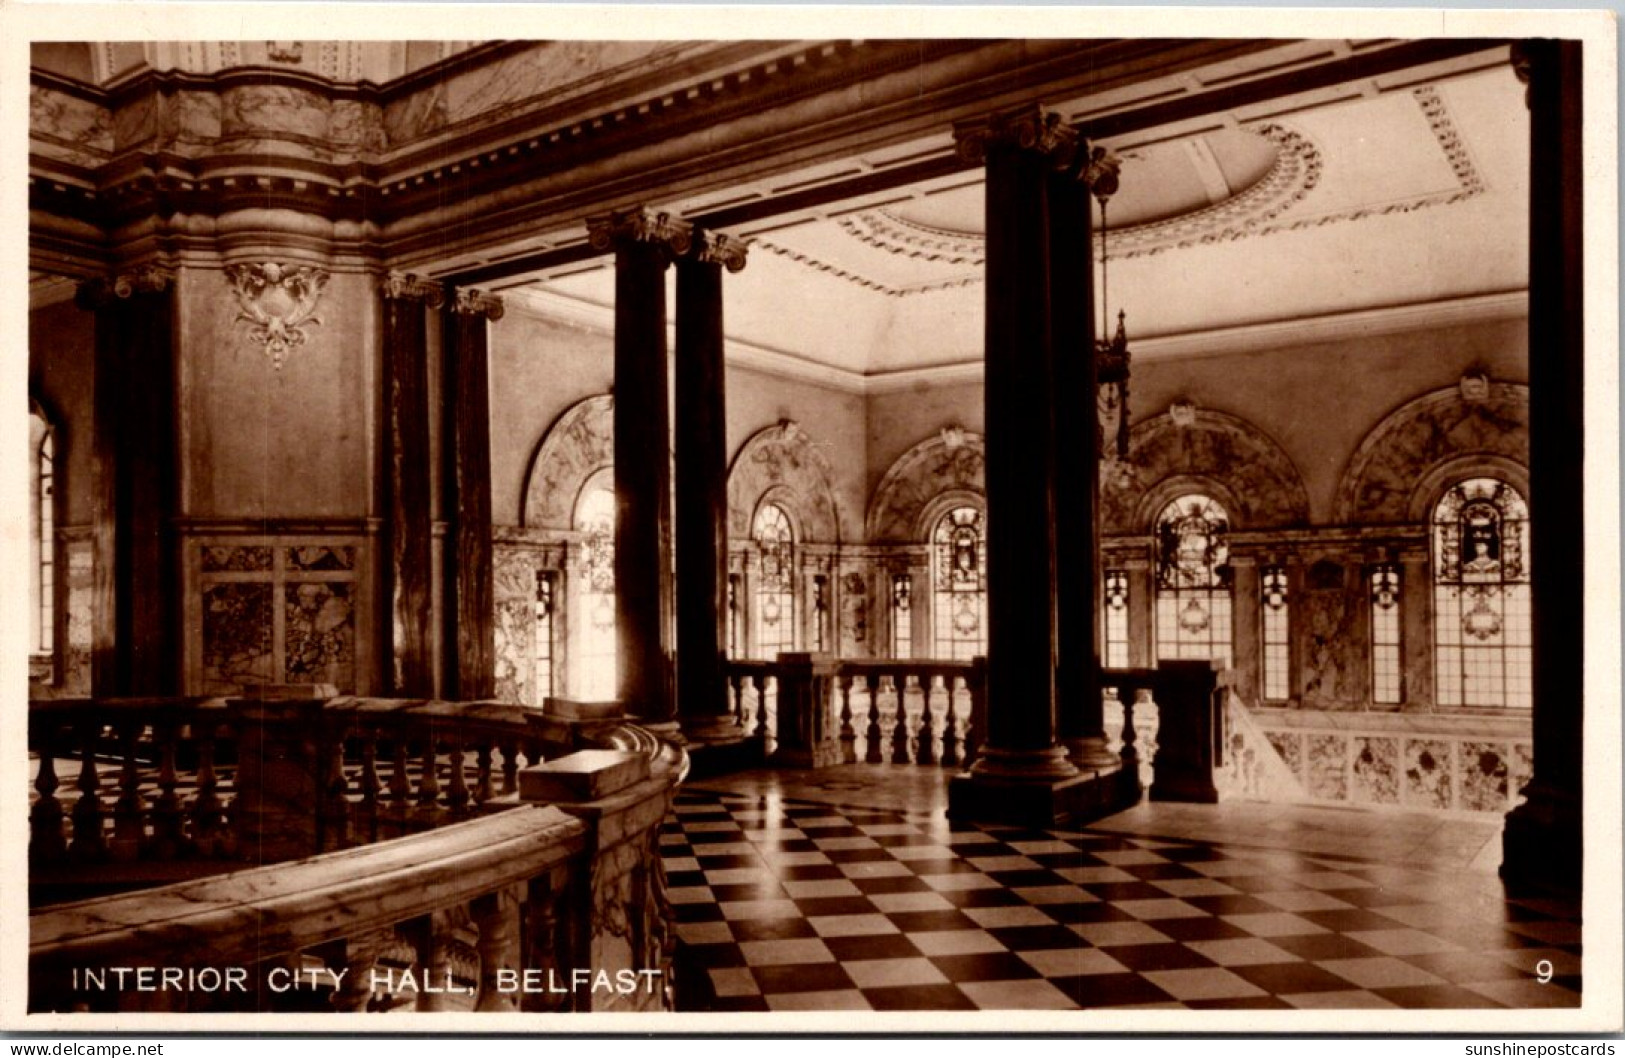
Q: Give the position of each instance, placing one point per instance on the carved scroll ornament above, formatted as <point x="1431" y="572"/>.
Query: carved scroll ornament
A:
<point x="278" y="302"/>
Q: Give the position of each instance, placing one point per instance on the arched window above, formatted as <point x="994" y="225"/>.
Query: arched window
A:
<point x="1481" y="617"/>
<point x="593" y="662"/>
<point x="959" y="588"/>
<point x="42" y="538"/>
<point x="776" y="586"/>
<point x="1193" y="580"/>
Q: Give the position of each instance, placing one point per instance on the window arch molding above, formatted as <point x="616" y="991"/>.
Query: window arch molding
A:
<point x="785" y="499"/>
<point x="579" y="445"/>
<point x="936" y="508"/>
<point x="1433" y="485"/>
<point x="1158" y="497"/>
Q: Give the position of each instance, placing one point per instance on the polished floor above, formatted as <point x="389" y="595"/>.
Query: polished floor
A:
<point x="848" y="889"/>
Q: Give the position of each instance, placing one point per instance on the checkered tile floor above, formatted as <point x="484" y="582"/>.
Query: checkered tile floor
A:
<point x="786" y="905"/>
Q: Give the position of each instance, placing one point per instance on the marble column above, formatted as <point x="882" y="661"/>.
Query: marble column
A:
<point x="1415" y="628"/>
<point x="1022" y="768"/>
<point x="135" y="639"/>
<point x="702" y="488"/>
<point x="469" y="625"/>
<point x="1076" y="461"/>
<point x="1542" y="840"/>
<point x="644" y="242"/>
<point x="406" y="589"/>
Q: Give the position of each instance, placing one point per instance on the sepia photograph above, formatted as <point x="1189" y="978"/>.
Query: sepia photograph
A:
<point x="704" y="520"/>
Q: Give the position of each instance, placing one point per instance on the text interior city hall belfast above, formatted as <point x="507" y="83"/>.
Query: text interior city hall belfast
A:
<point x="958" y="524"/>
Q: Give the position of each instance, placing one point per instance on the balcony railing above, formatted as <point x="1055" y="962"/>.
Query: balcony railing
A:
<point x="360" y="853"/>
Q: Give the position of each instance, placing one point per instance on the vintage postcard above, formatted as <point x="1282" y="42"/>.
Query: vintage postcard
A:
<point x="841" y="519"/>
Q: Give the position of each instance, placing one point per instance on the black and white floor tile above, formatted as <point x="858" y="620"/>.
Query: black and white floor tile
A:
<point x="791" y="905"/>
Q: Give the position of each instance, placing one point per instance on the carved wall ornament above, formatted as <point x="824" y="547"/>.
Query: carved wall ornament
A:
<point x="405" y="286"/>
<point x="152" y="279"/>
<point x="1183" y="413"/>
<point x="953" y="436"/>
<point x="713" y="247"/>
<point x="1032" y="127"/>
<point x="640" y="225"/>
<point x="278" y="302"/>
<point x="288" y="51"/>
<point x="1475" y="387"/>
<point x="471" y="302"/>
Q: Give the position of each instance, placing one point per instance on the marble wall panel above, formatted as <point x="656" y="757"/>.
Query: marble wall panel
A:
<point x="237" y="619"/>
<point x="320" y="558"/>
<point x="319" y="633"/>
<point x="1482" y="771"/>
<point x="855" y="612"/>
<point x="79" y="622"/>
<point x="1289" y="747"/>
<point x="356" y="126"/>
<point x="1326" y="766"/>
<point x="1523" y="768"/>
<point x="515" y="651"/>
<point x="69" y="119"/>
<point x="1427" y="773"/>
<point x="1375" y="772"/>
<point x="229" y="559"/>
<point x="251" y="110"/>
<point x="1333" y="639"/>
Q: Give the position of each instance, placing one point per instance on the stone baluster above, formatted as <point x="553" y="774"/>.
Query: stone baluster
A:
<point x="334" y="805"/>
<point x="925" y="749"/>
<point x="848" y="736"/>
<point x="510" y="766"/>
<point x="457" y="794"/>
<point x="167" y="816"/>
<point x="872" y="754"/>
<point x="429" y="811"/>
<point x="208" y="817"/>
<point x="371" y="787"/>
<point x="496" y="917"/>
<point x="360" y="955"/>
<point x="129" y="811"/>
<point x="899" y="730"/>
<point x="976" y="729"/>
<point x="1129" y="777"/>
<point x="45" y="843"/>
<point x="400" y="786"/>
<point x="431" y="938"/>
<point x="950" y="722"/>
<point x="545" y="944"/>
<point x="88" y="840"/>
<point x="482" y="782"/>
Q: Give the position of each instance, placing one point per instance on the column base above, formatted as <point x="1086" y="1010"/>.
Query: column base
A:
<point x="1088" y="753"/>
<point x="706" y="730"/>
<point x="1543" y="840"/>
<point x="708" y="760"/>
<point x="821" y="755"/>
<point x="1036" y="801"/>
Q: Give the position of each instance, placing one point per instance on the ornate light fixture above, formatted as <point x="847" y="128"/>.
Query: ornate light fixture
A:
<point x="1111" y="354"/>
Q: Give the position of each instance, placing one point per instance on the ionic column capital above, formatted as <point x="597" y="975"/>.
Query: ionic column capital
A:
<point x="607" y="231"/>
<point x="98" y="293"/>
<point x="405" y="286"/>
<point x="713" y="247"/>
<point x="468" y="301"/>
<point x="1032" y="127"/>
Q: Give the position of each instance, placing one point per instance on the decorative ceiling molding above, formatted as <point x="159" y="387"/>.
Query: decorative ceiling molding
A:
<point x="1297" y="171"/>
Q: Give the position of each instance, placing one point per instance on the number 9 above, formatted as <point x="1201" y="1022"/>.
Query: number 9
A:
<point x="1543" y="970"/>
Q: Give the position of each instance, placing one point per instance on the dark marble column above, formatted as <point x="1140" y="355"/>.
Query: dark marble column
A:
<point x="406" y="591"/>
<point x="645" y="243"/>
<point x="1021" y="762"/>
<point x="469" y="621"/>
<point x="136" y="634"/>
<point x="1542" y="840"/>
<point x="1076" y="460"/>
<point x="702" y="488"/>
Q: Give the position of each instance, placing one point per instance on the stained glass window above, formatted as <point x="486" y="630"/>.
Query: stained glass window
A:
<point x="593" y="660"/>
<point x="1116" y="582"/>
<point x="1385" y="687"/>
<point x="902" y="615"/>
<point x="1277" y="648"/>
<point x="1481" y="614"/>
<point x="42" y="541"/>
<point x="775" y="588"/>
<point x="959" y="569"/>
<point x="1193" y="580"/>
